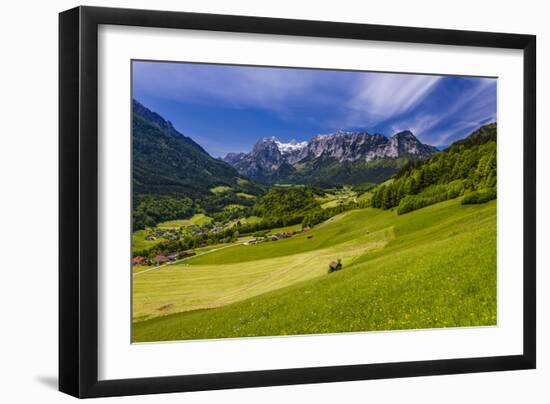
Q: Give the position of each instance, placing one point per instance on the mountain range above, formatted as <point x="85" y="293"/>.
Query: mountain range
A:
<point x="331" y="159"/>
<point x="166" y="162"/>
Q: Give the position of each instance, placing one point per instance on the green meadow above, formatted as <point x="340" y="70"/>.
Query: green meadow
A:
<point x="430" y="268"/>
<point x="139" y="242"/>
<point x="337" y="197"/>
<point x="220" y="189"/>
<point x="196" y="220"/>
<point x="139" y="237"/>
<point x="245" y="195"/>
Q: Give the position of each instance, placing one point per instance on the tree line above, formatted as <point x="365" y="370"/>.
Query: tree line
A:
<point x="463" y="168"/>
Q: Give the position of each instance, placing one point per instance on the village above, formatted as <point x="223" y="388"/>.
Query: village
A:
<point x="176" y="234"/>
<point x="276" y="236"/>
<point x="161" y="259"/>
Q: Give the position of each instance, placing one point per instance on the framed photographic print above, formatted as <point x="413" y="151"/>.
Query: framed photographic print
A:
<point x="251" y="201"/>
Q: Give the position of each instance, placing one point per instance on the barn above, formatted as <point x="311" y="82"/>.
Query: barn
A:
<point x="335" y="266"/>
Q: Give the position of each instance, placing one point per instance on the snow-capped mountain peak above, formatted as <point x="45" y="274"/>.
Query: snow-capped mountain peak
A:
<point x="291" y="146"/>
<point x="271" y="158"/>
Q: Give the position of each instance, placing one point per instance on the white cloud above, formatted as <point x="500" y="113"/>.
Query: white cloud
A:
<point x="462" y="128"/>
<point x="236" y="86"/>
<point x="334" y="100"/>
<point x="384" y="95"/>
<point x="469" y="109"/>
<point x="417" y="125"/>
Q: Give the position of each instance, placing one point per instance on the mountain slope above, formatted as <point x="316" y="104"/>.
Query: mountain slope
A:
<point x="173" y="177"/>
<point x="468" y="167"/>
<point x="165" y="162"/>
<point x="483" y="135"/>
<point x="333" y="159"/>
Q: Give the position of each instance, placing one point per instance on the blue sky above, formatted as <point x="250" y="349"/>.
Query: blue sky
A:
<point x="227" y="108"/>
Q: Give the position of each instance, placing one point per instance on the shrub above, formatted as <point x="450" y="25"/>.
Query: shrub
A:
<point x="262" y="233"/>
<point x="414" y="202"/>
<point x="481" y="196"/>
<point x="431" y="195"/>
<point x="455" y="189"/>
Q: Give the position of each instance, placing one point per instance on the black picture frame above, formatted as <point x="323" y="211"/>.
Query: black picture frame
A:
<point x="78" y="196"/>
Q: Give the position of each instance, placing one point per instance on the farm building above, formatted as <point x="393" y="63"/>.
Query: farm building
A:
<point x="257" y="240"/>
<point x="138" y="260"/>
<point x="161" y="259"/>
<point x="335" y="266"/>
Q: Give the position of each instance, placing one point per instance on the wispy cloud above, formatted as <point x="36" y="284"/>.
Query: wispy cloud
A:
<point x="452" y="115"/>
<point x="384" y="95"/>
<point x="234" y="86"/>
<point x="418" y="124"/>
<point x="473" y="109"/>
<point x="229" y="107"/>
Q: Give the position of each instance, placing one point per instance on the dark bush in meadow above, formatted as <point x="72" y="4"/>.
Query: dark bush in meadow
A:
<point x="431" y="195"/>
<point x="481" y="196"/>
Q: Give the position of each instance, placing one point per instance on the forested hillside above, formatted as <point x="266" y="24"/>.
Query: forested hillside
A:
<point x="165" y="162"/>
<point x="173" y="176"/>
<point x="468" y="167"/>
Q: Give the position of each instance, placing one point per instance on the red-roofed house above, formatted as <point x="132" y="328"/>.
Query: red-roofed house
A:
<point x="138" y="260"/>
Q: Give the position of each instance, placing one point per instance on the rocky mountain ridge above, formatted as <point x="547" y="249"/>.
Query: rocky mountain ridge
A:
<point x="272" y="158"/>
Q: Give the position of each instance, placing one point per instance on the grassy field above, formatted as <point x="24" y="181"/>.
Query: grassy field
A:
<point x="337" y="197"/>
<point x="251" y="219"/>
<point x="139" y="243"/>
<point x="246" y="220"/>
<point x="233" y="207"/>
<point x="220" y="189"/>
<point x="245" y="195"/>
<point x="292" y="227"/>
<point x="435" y="267"/>
<point x="196" y="220"/>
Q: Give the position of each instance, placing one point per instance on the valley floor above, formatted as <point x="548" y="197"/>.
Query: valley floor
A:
<point x="434" y="267"/>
